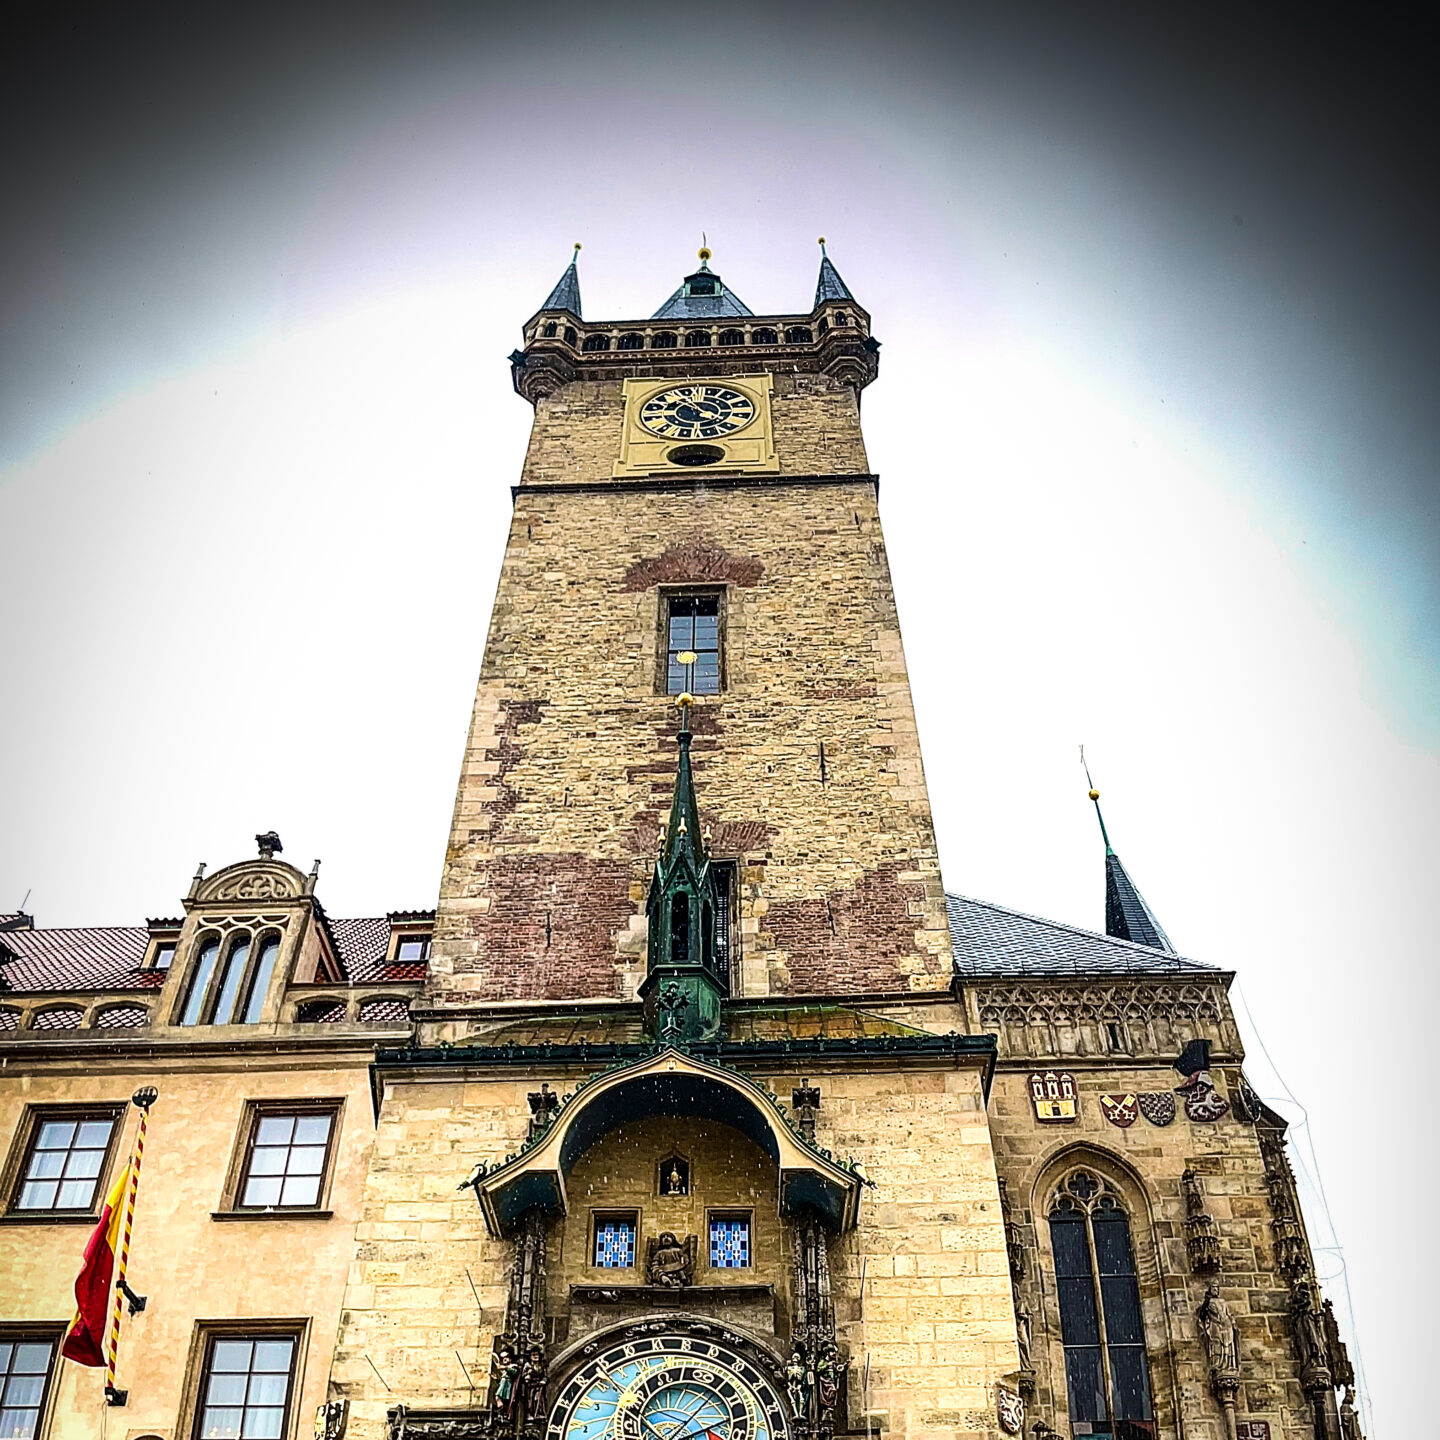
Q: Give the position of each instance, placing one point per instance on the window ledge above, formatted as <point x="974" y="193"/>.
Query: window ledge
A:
<point x="48" y="1217"/>
<point x="294" y="1214"/>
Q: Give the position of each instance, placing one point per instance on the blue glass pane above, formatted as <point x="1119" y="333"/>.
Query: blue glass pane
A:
<point x="1121" y="1299"/>
<point x="204" y="969"/>
<point x="615" y="1244"/>
<point x="261" y="983"/>
<point x="230" y="983"/>
<point x="730" y="1244"/>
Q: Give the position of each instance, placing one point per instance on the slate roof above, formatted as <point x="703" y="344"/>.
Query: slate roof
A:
<point x="108" y="957"/>
<point x="830" y="286"/>
<point x="991" y="942"/>
<point x="683" y="305"/>
<point x="1127" y="916"/>
<point x="566" y="294"/>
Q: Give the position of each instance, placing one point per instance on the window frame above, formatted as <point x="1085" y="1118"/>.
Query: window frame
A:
<point x="597" y="1219"/>
<point x="719" y="1214"/>
<point x="668" y="594"/>
<point x="209" y="1332"/>
<point x="21" y="1332"/>
<point x="233" y="1206"/>
<point x="1085" y="1209"/>
<point x="256" y="940"/>
<point x="28" y="1132"/>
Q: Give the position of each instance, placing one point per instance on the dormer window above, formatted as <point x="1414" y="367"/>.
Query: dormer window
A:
<point x="232" y="992"/>
<point x="702" y="287"/>
<point x="413" y="950"/>
<point x="163" y="955"/>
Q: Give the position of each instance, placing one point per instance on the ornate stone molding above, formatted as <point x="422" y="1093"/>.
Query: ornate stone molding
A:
<point x="1202" y="1244"/>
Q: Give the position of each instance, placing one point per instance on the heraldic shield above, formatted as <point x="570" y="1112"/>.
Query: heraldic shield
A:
<point x="1158" y="1106"/>
<point x="1121" y="1110"/>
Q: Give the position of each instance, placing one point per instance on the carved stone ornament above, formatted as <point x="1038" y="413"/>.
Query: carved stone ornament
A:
<point x="1202" y="1244"/>
<point x="1253" y="1430"/>
<point x="1121" y="1110"/>
<point x="407" y="1424"/>
<point x="252" y="880"/>
<point x="1054" y="1096"/>
<point x="1219" y="1332"/>
<point x="1158" y="1107"/>
<point x="1010" y="1409"/>
<point x="330" y="1420"/>
<point x="1203" y="1102"/>
<point x="670" y="1263"/>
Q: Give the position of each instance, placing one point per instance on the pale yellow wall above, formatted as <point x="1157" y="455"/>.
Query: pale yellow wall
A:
<point x="190" y="1266"/>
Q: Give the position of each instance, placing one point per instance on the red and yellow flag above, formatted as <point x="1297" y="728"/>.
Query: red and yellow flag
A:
<point x="85" y="1340"/>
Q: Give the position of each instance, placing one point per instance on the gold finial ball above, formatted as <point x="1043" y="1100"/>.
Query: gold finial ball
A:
<point x="686" y="657"/>
<point x="821" y="240"/>
<point x="685" y="700"/>
<point x="1094" y="794"/>
<point x="578" y="245"/>
<point x="704" y="252"/>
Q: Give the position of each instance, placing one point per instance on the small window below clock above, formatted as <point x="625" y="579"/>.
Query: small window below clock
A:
<point x="695" y="455"/>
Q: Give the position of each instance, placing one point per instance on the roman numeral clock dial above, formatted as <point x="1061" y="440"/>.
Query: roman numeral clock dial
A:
<point x="668" y="1387"/>
<point x="697" y="412"/>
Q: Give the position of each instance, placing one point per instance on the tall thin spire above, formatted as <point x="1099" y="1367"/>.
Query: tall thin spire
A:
<point x="1127" y="916"/>
<point x="829" y="286"/>
<point x="566" y="294"/>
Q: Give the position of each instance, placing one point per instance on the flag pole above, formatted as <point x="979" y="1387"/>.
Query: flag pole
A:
<point x="143" y="1099"/>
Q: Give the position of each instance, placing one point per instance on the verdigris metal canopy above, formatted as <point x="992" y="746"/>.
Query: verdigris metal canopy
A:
<point x="668" y="1083"/>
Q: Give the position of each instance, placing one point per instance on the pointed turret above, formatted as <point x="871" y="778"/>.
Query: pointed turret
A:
<point x="1127" y="916"/>
<point x="830" y="286"/>
<point x="566" y="294"/>
<point x="682" y="989"/>
<point x="702" y="296"/>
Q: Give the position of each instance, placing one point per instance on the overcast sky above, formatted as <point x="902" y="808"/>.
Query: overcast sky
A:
<point x="1156" y="427"/>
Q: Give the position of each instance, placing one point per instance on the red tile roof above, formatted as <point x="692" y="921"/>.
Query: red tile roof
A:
<point x="108" y="957"/>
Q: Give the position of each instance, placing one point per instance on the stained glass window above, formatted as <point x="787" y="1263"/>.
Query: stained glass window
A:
<point x="615" y="1242"/>
<point x="730" y="1242"/>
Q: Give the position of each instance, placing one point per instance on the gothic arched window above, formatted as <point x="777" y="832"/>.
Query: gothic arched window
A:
<point x="631" y="340"/>
<point x="798" y="335"/>
<point x="764" y="336"/>
<point x="569" y="336"/>
<point x="596" y="342"/>
<point x="551" y="330"/>
<point x="1106" y="1371"/>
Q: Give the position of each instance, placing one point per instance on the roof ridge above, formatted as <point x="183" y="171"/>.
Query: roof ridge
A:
<point x="1079" y="930"/>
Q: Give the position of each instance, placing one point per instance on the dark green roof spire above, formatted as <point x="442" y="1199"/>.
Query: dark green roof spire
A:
<point x="566" y="294"/>
<point x="1127" y="916"/>
<point x="682" y="989"/>
<point x="830" y="286"/>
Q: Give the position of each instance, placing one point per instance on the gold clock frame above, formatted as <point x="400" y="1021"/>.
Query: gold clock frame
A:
<point x="751" y="449"/>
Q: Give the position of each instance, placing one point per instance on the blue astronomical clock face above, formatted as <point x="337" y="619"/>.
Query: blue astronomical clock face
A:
<point x="697" y="412"/>
<point x="668" y="1387"/>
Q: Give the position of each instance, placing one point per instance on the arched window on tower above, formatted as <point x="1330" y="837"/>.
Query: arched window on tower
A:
<point x="631" y="340"/>
<point x="696" y="339"/>
<point x="551" y="330"/>
<point x="1106" y="1370"/>
<point x="596" y="341"/>
<point x="798" y="335"/>
<point x="680" y="929"/>
<point x="732" y="337"/>
<point x="824" y="326"/>
<point x="764" y="336"/>
<point x="569" y="335"/>
<point x="664" y="340"/>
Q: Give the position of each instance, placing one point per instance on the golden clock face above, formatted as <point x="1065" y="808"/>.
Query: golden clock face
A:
<point x="697" y="412"/>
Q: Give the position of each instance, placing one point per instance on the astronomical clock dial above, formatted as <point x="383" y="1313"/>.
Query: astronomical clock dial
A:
<point x="697" y="412"/>
<point x="668" y="1387"/>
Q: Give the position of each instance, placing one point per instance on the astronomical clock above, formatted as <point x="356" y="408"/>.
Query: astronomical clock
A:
<point x="668" y="1387"/>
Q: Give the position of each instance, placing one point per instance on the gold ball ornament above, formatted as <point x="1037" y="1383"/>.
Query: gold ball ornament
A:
<point x="685" y="700"/>
<point x="1094" y="794"/>
<point x="704" y="252"/>
<point x="686" y="657"/>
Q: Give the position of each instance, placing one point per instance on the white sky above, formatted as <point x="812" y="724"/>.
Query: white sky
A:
<point x="1137" y="493"/>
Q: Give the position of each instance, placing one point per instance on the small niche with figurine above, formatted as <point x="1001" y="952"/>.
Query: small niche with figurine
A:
<point x="674" y="1176"/>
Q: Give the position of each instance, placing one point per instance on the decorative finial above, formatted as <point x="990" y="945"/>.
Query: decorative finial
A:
<point x="269" y="845"/>
<point x="704" y="253"/>
<point x="578" y="245"/>
<point x="821" y="243"/>
<point x="1095" y="799"/>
